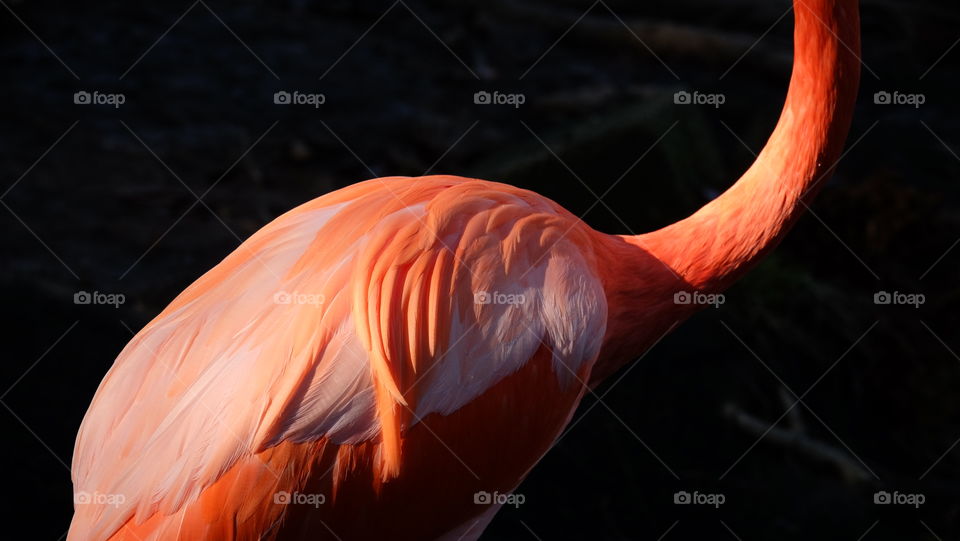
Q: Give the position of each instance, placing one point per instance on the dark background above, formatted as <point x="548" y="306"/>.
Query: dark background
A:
<point x="106" y="199"/>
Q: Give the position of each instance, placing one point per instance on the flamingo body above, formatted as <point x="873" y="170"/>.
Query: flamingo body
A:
<point x="356" y="347"/>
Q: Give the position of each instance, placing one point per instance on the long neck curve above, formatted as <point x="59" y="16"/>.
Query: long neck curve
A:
<point x="718" y="243"/>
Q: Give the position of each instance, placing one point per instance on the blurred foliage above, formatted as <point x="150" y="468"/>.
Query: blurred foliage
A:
<point x="882" y="380"/>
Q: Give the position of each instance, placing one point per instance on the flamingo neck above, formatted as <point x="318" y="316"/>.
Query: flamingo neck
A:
<point x="709" y="250"/>
<point x="718" y="243"/>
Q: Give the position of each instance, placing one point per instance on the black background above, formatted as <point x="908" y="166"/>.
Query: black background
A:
<point x="105" y="199"/>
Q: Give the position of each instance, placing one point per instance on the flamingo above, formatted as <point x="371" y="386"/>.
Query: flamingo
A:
<point x="382" y="359"/>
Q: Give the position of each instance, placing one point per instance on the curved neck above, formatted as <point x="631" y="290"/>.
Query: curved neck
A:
<point x="714" y="246"/>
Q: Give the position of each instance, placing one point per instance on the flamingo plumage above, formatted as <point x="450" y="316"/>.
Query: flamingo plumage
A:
<point x="368" y="362"/>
